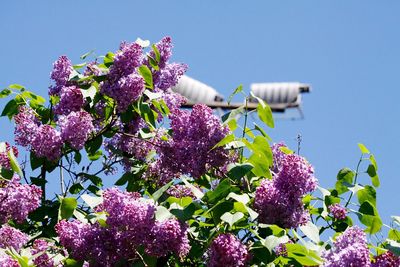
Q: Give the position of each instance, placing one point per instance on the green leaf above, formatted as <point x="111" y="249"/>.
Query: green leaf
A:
<point x="271" y="242"/>
<point x="258" y="128"/>
<point x="16" y="87"/>
<point x="227" y="139"/>
<point x="238" y="170"/>
<point x="5" y="92"/>
<point x="363" y="149"/>
<point x="368" y="193"/>
<point x="93" y="145"/>
<point x="76" y="188"/>
<point x="156" y="195"/>
<point x="67" y="207"/>
<point x="345" y="177"/>
<point x="77" y="157"/>
<point x="86" y="54"/>
<point x="302" y="255"/>
<point x="368" y="215"/>
<point x="156" y="52"/>
<point x="14" y="163"/>
<point x="10" y="109"/>
<point x="73" y="263"/>
<point x="92" y="201"/>
<point x="237" y="91"/>
<point x="311" y="231"/>
<point x="244" y="198"/>
<point x="231" y="219"/>
<point x="264" y="112"/>
<point x="162" y="214"/>
<point x="95" y="156"/>
<point x="145" y="72"/>
<point x="393" y="246"/>
<point x="394" y="235"/>
<point x="232" y="115"/>
<point x="197" y="192"/>
<point x="286" y="150"/>
<point x="124" y="178"/>
<point x="184" y="214"/>
<point x="374" y="176"/>
<point x="222" y="190"/>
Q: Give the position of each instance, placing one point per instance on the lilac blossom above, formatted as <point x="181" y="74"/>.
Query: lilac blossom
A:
<point x="226" y="250"/>
<point x="62" y="69"/>
<point x="17" y="200"/>
<point x="276" y="207"/>
<point x="338" y="212"/>
<point x="47" y="143"/>
<point x="43" y="259"/>
<point x="26" y="126"/>
<point x="168" y="236"/>
<point x="7" y="261"/>
<point x="123" y="83"/>
<point x="71" y="99"/>
<point x="12" y="238"/>
<point x="169" y="75"/>
<point x="189" y="151"/>
<point x="76" y="128"/>
<point x="387" y="259"/>
<point x="349" y="249"/>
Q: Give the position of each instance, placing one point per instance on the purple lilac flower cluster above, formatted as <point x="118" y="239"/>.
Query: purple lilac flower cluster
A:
<point x="7" y="261"/>
<point x="62" y="69"/>
<point x="189" y="151"/>
<point x="338" y="211"/>
<point x="43" y="140"/>
<point x="169" y="73"/>
<point x="349" y="249"/>
<point x="130" y="223"/>
<point x="227" y="250"/>
<point x="71" y="99"/>
<point x="17" y="200"/>
<point x="4" y="159"/>
<point x="124" y="84"/>
<point x="46" y="141"/>
<point x="12" y="238"/>
<point x="40" y="250"/>
<point x="387" y="259"/>
<point x="76" y="128"/>
<point x="279" y="201"/>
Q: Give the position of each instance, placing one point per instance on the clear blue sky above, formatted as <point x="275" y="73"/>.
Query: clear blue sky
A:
<point x="348" y="50"/>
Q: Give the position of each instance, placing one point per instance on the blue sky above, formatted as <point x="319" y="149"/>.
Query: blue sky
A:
<point x="347" y="50"/>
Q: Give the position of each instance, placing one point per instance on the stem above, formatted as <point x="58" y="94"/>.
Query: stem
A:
<point x="43" y="185"/>
<point x="355" y="179"/>
<point x="62" y="179"/>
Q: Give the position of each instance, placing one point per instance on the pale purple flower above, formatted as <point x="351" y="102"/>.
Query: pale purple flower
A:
<point x="349" y="249"/>
<point x="169" y="75"/>
<point x="41" y="247"/>
<point x="47" y="143"/>
<point x="71" y="99"/>
<point x="278" y="156"/>
<point x="164" y="47"/>
<point x="76" y="128"/>
<point x="168" y="236"/>
<point x="296" y="176"/>
<point x="387" y="259"/>
<point x="11" y="237"/>
<point x="26" y="126"/>
<point x="339" y="212"/>
<point x="281" y="249"/>
<point x="226" y="250"/>
<point x="276" y="207"/>
<point x="126" y="60"/>
<point x="189" y="151"/>
<point x="17" y="200"/>
<point x="62" y="69"/>
<point x="7" y="261"/>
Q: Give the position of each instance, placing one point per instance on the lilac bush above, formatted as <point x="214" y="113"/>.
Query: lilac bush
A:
<point x="190" y="188"/>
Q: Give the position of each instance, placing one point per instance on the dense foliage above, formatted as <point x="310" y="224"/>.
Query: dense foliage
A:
<point x="192" y="189"/>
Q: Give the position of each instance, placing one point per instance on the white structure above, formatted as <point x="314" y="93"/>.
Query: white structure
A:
<point x="197" y="92"/>
<point x="285" y="93"/>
